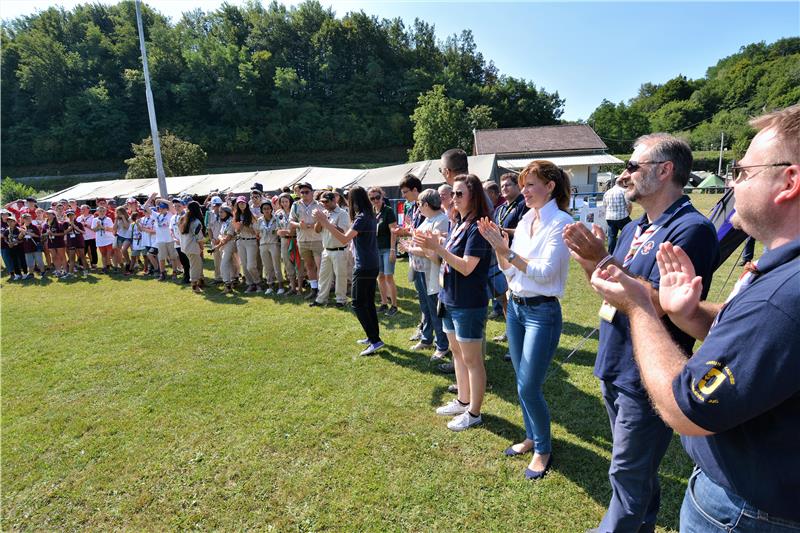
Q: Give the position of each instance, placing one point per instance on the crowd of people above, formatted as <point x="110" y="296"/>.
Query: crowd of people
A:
<point x="735" y="402"/>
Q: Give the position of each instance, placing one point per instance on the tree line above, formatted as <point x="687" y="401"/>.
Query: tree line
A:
<point x="251" y="78"/>
<point x="759" y="77"/>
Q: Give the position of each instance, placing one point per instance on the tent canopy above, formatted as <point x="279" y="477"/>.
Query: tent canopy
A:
<point x="484" y="166"/>
<point x="712" y="181"/>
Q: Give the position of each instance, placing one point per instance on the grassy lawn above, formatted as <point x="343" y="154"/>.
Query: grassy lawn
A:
<point x="137" y="405"/>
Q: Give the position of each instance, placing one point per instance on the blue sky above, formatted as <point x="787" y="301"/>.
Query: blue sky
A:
<point x="586" y="51"/>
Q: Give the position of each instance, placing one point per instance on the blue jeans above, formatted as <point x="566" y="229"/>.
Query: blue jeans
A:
<point x="431" y="323"/>
<point x="640" y="440"/>
<point x="710" y="508"/>
<point x="533" y="332"/>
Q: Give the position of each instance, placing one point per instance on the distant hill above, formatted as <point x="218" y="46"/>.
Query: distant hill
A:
<point x="760" y="77"/>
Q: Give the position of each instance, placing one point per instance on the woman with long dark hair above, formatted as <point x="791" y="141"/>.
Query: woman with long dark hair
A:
<point x="536" y="265"/>
<point x="192" y="233"/>
<point x="466" y="256"/>
<point x="245" y="225"/>
<point x="363" y="233"/>
<point x="290" y="256"/>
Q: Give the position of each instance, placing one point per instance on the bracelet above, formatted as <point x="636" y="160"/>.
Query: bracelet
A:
<point x="604" y="261"/>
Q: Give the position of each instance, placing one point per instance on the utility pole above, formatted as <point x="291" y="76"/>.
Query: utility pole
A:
<point x="721" y="147"/>
<point x="151" y="110"/>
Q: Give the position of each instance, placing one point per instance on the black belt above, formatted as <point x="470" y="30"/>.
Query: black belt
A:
<point x="532" y="300"/>
<point x="246" y="238"/>
<point x="335" y="249"/>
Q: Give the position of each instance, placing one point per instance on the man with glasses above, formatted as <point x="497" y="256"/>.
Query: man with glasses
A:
<point x="309" y="242"/>
<point x="334" y="255"/>
<point x="736" y="402"/>
<point x="654" y="177"/>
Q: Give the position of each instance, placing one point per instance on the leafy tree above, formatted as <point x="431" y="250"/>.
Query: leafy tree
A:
<point x="11" y="190"/>
<point x="439" y="124"/>
<point x="618" y="125"/>
<point x="180" y="158"/>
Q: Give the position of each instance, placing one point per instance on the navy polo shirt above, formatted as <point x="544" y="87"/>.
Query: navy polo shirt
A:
<point x="366" y="242"/>
<point x="681" y="224"/>
<point x="509" y="215"/>
<point x="467" y="291"/>
<point x="744" y="385"/>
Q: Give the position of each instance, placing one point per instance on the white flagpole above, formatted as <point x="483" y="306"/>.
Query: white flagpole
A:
<point x="151" y="110"/>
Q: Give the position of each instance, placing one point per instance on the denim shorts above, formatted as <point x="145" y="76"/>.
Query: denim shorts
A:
<point x="384" y="265"/>
<point x="121" y="241"/>
<point x="468" y="323"/>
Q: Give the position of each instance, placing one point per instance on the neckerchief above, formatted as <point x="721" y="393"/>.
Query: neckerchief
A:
<point x="641" y="237"/>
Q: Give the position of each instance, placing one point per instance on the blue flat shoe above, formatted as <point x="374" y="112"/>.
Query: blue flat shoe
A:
<point x="539" y="474"/>
<point x="511" y="452"/>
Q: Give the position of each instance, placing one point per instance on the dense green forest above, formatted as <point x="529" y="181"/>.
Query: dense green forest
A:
<point x="760" y="77"/>
<point x="267" y="79"/>
<point x="250" y="78"/>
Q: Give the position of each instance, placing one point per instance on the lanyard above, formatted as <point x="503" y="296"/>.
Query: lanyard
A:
<point x="507" y="209"/>
<point x="455" y="239"/>
<point x="641" y="237"/>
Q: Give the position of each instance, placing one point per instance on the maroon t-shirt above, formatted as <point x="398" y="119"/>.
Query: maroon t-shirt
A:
<point x="31" y="239"/>
<point x="74" y="239"/>
<point x="55" y="241"/>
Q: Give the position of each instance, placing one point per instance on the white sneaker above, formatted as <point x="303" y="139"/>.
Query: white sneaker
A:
<point x="281" y="291"/>
<point x="438" y="355"/>
<point x="452" y="409"/>
<point x="268" y="292"/>
<point x="372" y="348"/>
<point x="16" y="277"/>
<point x="363" y="341"/>
<point x="422" y="346"/>
<point x="416" y="336"/>
<point x="464" y="421"/>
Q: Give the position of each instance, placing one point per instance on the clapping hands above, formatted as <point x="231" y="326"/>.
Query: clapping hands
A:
<point x="495" y="236"/>
<point x="680" y="289"/>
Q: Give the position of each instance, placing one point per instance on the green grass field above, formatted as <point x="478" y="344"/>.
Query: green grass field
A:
<point x="137" y="405"/>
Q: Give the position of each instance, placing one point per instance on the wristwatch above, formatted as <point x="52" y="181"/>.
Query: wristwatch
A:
<point x="511" y="257"/>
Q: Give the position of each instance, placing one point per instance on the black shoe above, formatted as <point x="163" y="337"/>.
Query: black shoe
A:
<point x="392" y="311"/>
<point x="312" y="295"/>
<point x="340" y="305"/>
<point x="447" y="368"/>
<point x="507" y="357"/>
<point x="383" y="308"/>
<point x="315" y="304"/>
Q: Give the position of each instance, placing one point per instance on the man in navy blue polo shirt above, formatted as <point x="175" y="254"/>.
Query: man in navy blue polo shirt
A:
<point x="654" y="178"/>
<point x="736" y="402"/>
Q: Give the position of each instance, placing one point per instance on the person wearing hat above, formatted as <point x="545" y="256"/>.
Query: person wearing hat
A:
<point x="124" y="233"/>
<point x="55" y="229"/>
<point x="226" y="246"/>
<point x="11" y="247"/>
<point x="246" y="243"/>
<point x="89" y="243"/>
<point x="163" y="238"/>
<point x="103" y="229"/>
<point x="334" y="254"/>
<point x="213" y="225"/>
<point x="74" y="233"/>
<point x="309" y="242"/>
<point x="269" y="248"/>
<point x="31" y="245"/>
<point x="256" y="197"/>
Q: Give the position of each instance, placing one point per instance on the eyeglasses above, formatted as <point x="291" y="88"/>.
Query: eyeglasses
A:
<point x="633" y="166"/>
<point x="458" y="194"/>
<point x="374" y="198"/>
<point x="740" y="172"/>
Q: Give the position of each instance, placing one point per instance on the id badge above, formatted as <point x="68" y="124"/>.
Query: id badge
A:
<point x="607" y="312"/>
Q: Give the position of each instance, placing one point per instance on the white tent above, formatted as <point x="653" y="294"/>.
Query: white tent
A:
<point x="484" y="166"/>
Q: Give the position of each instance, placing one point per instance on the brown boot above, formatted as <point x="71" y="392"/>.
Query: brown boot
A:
<point x="196" y="287"/>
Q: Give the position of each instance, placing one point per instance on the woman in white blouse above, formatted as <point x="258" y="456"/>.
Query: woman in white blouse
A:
<point x="536" y="266"/>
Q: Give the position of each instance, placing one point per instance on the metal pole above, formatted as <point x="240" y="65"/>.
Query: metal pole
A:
<point x="721" y="147"/>
<point x="151" y="110"/>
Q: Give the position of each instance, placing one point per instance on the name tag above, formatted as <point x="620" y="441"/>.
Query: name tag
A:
<point x="607" y="312"/>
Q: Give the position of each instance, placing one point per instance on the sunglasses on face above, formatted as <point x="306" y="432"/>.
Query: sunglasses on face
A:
<point x="458" y="194"/>
<point x="374" y="198"/>
<point x="633" y="166"/>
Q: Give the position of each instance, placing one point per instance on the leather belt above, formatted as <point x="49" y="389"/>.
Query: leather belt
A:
<point x="532" y="300"/>
<point x="335" y="249"/>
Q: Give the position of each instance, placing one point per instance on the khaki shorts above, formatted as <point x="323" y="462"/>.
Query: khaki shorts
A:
<point x="310" y="250"/>
<point x="166" y="250"/>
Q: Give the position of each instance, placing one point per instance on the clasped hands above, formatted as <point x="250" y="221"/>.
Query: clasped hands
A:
<point x="494" y="235"/>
